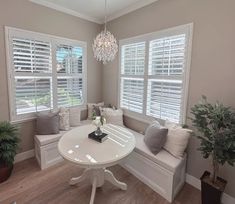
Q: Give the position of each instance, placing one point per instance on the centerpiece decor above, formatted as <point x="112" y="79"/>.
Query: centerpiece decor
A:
<point x="98" y="122"/>
<point x="105" y="45"/>
<point x="9" y="142"/>
<point x="215" y="124"/>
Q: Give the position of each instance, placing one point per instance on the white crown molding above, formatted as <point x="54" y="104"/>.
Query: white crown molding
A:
<point x="118" y="14"/>
<point x="195" y="182"/>
<point x="66" y="10"/>
<point x="130" y="8"/>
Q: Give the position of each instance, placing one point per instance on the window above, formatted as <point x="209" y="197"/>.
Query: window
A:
<point x="154" y="73"/>
<point x="45" y="72"/>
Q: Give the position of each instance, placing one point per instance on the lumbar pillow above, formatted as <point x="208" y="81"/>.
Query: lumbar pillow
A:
<point x="74" y="117"/>
<point x="90" y="107"/>
<point x="177" y="139"/>
<point x="64" y="119"/>
<point x="47" y="124"/>
<point x="112" y="116"/>
<point x="155" y="137"/>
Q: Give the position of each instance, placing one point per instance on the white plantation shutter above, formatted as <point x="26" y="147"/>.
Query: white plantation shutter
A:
<point x="132" y="94"/>
<point x="164" y="99"/>
<point x="32" y="63"/>
<point x="166" y="68"/>
<point x="69" y="91"/>
<point x="154" y="73"/>
<point x="167" y="56"/>
<point x="133" y="59"/>
<point x="31" y="56"/>
<point x="132" y="76"/>
<point x="70" y="79"/>
<point x="45" y="73"/>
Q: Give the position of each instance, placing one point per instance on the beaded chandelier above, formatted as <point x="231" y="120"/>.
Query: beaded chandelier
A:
<point x="105" y="45"/>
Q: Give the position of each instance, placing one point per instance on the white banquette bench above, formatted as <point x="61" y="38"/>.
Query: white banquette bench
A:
<point x="164" y="173"/>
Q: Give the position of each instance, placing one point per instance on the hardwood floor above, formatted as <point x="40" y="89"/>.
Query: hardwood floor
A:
<point x="29" y="185"/>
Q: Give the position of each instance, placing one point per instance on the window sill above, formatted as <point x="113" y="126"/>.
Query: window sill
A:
<point x="32" y="118"/>
<point x="140" y="117"/>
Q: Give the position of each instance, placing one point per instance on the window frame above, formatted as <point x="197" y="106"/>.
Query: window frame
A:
<point x="186" y="29"/>
<point x="11" y="32"/>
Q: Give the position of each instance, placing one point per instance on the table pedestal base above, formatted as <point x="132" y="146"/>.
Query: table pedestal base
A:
<point x="97" y="178"/>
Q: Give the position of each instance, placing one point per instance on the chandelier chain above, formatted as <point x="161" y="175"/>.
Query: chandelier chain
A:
<point x="105" y="17"/>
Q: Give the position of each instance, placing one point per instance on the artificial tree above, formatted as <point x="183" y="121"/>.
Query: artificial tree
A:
<point x="215" y="124"/>
<point x="9" y="142"/>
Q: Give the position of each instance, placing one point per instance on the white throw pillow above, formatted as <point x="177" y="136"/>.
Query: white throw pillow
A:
<point x="177" y="139"/>
<point x="90" y="107"/>
<point x="113" y="116"/>
<point x="74" y="117"/>
<point x="64" y="119"/>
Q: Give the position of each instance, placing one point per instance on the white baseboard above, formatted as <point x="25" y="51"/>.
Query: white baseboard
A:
<point x="24" y="155"/>
<point x="195" y="182"/>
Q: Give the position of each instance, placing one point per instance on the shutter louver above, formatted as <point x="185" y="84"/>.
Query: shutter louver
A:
<point x="32" y="56"/>
<point x="69" y="92"/>
<point x="166" y="68"/>
<point x="164" y="99"/>
<point x="133" y="59"/>
<point x="132" y="94"/>
<point x="167" y="56"/>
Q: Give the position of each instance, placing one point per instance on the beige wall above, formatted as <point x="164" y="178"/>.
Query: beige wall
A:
<point x="25" y="15"/>
<point x="213" y="56"/>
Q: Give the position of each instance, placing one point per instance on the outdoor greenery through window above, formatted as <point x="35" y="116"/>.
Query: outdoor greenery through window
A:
<point x="155" y="72"/>
<point x="45" y="72"/>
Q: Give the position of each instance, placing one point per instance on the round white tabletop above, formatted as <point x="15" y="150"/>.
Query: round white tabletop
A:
<point x="76" y="147"/>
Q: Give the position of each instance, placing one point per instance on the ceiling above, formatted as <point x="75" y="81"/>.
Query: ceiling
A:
<point x="93" y="10"/>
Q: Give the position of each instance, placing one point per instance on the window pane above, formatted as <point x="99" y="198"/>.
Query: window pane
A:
<point x="133" y="59"/>
<point x="167" y="55"/>
<point x="164" y="99"/>
<point x="132" y="91"/>
<point x="69" y="59"/>
<point x="69" y="91"/>
<point x="31" y="56"/>
<point x="32" y="94"/>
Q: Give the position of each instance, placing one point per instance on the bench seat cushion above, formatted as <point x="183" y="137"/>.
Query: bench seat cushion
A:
<point x="48" y="139"/>
<point x="163" y="158"/>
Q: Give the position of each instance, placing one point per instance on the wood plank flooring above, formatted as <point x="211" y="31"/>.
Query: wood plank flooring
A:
<point x="29" y="185"/>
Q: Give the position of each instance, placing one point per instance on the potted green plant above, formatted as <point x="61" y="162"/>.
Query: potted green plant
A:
<point x="215" y="124"/>
<point x="9" y="141"/>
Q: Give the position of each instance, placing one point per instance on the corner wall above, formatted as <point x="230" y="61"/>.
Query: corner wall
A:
<point x="213" y="57"/>
<point x="29" y="16"/>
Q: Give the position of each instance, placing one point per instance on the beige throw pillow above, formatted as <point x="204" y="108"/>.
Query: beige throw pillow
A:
<point x="74" y="116"/>
<point x="64" y="119"/>
<point x="177" y="139"/>
<point x="113" y="116"/>
<point x="90" y="107"/>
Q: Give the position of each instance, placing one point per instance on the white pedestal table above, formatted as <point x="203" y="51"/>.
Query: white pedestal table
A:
<point x="76" y="147"/>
